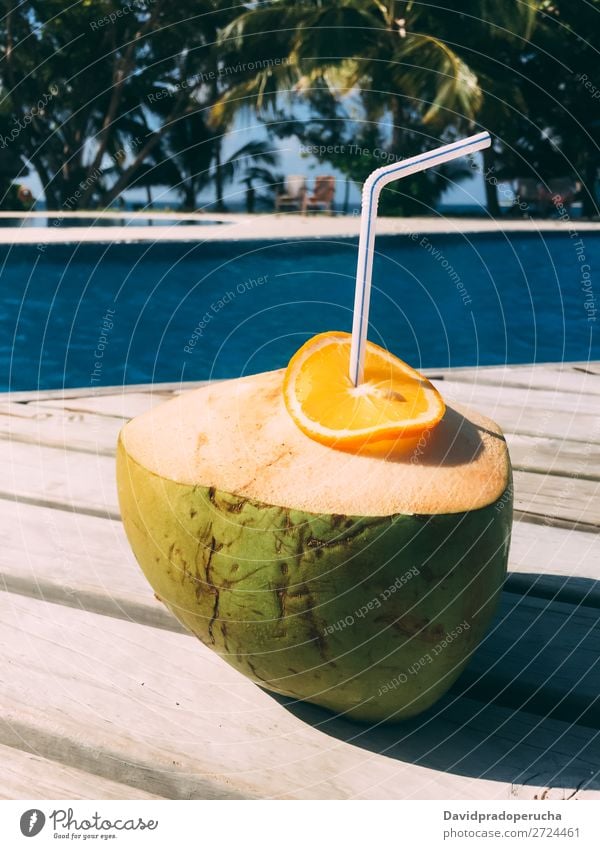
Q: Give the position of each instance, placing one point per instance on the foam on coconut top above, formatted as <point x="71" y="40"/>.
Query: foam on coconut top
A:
<point x="238" y="437"/>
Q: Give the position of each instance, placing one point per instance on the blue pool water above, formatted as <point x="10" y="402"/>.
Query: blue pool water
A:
<point x="97" y="314"/>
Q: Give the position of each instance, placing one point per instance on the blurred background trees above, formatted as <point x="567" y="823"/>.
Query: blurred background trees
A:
<point x="99" y="98"/>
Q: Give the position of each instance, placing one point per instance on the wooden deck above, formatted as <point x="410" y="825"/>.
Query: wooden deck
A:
<point x="104" y="696"/>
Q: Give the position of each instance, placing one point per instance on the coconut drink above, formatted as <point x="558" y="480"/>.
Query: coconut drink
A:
<point x="336" y="531"/>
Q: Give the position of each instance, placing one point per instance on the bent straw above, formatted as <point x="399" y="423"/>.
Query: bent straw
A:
<point x="370" y="198"/>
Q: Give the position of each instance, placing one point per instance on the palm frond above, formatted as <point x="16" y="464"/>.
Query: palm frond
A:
<point x="517" y="17"/>
<point x="257" y="151"/>
<point x="260" y="92"/>
<point x="247" y="157"/>
<point x="438" y="75"/>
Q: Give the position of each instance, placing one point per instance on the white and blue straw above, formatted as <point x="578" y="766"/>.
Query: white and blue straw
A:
<point x="370" y="198"/>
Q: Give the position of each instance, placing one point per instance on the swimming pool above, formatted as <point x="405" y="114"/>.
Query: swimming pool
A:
<point x="106" y="314"/>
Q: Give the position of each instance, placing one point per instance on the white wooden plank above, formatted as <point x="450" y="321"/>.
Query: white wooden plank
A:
<point x="591" y="367"/>
<point x="78" y="560"/>
<point x="559" y="377"/>
<point x="557" y="424"/>
<point x="62" y="428"/>
<point x="28" y="776"/>
<point x="577" y="365"/>
<point x="554" y="456"/>
<point x="541" y="414"/>
<point x="556" y="551"/>
<point x="159" y="711"/>
<point x="553" y="498"/>
<point x="555" y="563"/>
<point x="70" y="480"/>
<point x="485" y="397"/>
<point x="123" y="405"/>
<point x="39" y="395"/>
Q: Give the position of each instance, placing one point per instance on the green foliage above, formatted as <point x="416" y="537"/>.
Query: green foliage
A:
<point x="95" y="88"/>
<point x="418" y="72"/>
<point x="552" y="128"/>
<point x="101" y="96"/>
<point x="356" y="148"/>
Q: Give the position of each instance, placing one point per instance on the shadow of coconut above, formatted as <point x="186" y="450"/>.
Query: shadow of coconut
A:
<point x="455" y="441"/>
<point x="525" y="711"/>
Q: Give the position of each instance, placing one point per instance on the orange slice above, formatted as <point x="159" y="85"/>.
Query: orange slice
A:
<point x="393" y="402"/>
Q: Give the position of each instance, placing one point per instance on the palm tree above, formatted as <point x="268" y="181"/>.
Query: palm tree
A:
<point x="266" y="177"/>
<point x="410" y="62"/>
<point x="190" y="147"/>
<point x="401" y="55"/>
<point x="194" y="152"/>
<point x="248" y="163"/>
<point x="549" y="120"/>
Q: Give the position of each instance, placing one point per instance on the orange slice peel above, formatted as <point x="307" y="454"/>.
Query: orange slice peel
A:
<point x="394" y="401"/>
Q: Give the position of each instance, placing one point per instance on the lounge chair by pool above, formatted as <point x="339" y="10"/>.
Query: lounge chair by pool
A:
<point x="294" y="194"/>
<point x="322" y="197"/>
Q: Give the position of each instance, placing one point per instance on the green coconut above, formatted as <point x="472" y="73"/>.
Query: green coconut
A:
<point x="360" y="583"/>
